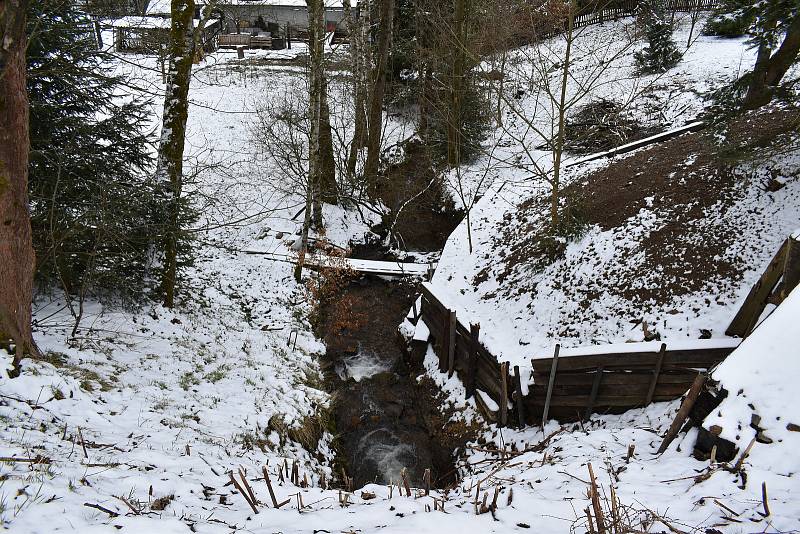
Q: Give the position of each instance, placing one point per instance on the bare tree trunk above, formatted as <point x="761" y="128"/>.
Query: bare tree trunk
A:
<point x="315" y="36"/>
<point x="558" y="149"/>
<point x="17" y="258"/>
<point x="327" y="164"/>
<point x="173" y="136"/>
<point x="770" y="68"/>
<point x="358" y="60"/>
<point x="455" y="114"/>
<point x="375" y="117"/>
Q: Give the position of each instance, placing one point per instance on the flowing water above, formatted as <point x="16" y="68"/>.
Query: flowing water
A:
<point x="386" y="419"/>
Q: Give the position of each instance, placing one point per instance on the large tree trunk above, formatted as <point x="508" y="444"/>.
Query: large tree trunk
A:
<point x="173" y="136"/>
<point x="374" y="119"/>
<point x="358" y="60"/>
<point x="770" y="68"/>
<point x="327" y="163"/>
<point x="315" y="35"/>
<point x="17" y="259"/>
<point x="455" y="114"/>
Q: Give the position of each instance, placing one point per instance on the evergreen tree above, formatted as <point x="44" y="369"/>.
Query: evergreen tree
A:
<point x="662" y="53"/>
<point x="731" y="18"/>
<point x="773" y="31"/>
<point x="94" y="204"/>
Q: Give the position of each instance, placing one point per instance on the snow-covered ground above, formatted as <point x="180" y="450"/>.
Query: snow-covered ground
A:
<point x="134" y="425"/>
<point x="583" y="297"/>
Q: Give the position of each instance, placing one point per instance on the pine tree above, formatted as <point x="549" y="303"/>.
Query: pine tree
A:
<point x="662" y="53"/>
<point x="94" y="207"/>
<point x="732" y="18"/>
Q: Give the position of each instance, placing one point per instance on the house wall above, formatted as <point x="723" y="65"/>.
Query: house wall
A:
<point x="297" y="17"/>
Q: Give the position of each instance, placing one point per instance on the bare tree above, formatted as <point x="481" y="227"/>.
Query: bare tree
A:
<point x="357" y="28"/>
<point x="557" y="88"/>
<point x="375" y="113"/>
<point x="17" y="259"/>
<point x="182" y="50"/>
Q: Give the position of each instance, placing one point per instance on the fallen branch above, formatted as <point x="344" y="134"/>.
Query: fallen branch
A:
<point x="111" y="513"/>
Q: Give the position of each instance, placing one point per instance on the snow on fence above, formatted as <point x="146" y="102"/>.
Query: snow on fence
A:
<point x="573" y="384"/>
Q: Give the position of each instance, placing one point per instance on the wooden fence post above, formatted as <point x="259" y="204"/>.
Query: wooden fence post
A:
<point x="472" y="361"/>
<point x="598" y="377"/>
<point x="791" y="267"/>
<point x="518" y="398"/>
<point x="550" y="383"/>
<point x="452" y="331"/>
<point x="504" y="394"/>
<point x="444" y="342"/>
<point x="656" y="373"/>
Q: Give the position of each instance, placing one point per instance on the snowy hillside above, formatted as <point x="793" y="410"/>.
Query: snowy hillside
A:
<point x="676" y="246"/>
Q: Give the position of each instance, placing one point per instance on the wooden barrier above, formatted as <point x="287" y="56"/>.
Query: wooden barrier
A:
<point x="615" y="381"/>
<point x="571" y="386"/>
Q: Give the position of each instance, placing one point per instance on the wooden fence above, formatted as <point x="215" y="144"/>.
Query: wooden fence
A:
<point x="567" y="387"/>
<point x="602" y="11"/>
<point x="616" y="10"/>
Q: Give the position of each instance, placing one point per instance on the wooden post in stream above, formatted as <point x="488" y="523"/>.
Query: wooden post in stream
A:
<point x="504" y="394"/>
<point x="472" y="359"/>
<point x="451" y="343"/>
<point x="518" y="403"/>
<point x="444" y="342"/>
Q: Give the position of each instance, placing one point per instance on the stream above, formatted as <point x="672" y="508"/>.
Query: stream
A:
<point x="386" y="419"/>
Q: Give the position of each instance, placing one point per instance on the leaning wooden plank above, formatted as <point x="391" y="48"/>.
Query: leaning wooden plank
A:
<point x="791" y="267"/>
<point x="683" y="412"/>
<point x="593" y="396"/>
<point x="553" y="368"/>
<point x="656" y="373"/>
<point x="755" y="302"/>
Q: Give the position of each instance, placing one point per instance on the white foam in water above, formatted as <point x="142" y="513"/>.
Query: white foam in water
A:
<point x="384" y="449"/>
<point x="363" y="364"/>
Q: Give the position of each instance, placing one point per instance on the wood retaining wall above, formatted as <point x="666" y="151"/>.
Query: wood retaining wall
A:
<point x="582" y="384"/>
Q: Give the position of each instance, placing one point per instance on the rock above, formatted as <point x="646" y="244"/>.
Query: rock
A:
<point x="707" y="439"/>
<point x="791" y="427"/>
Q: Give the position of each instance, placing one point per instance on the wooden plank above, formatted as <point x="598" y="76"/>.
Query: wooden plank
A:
<point x="472" y="367"/>
<point x="504" y="394"/>
<point x="756" y="300"/>
<point x="791" y="268"/>
<point x="579" y="402"/>
<point x="619" y="376"/>
<point x="593" y="396"/>
<point x="656" y="372"/>
<point x="690" y="358"/>
<point x="444" y="343"/>
<point x="553" y="367"/>
<point x="451" y="345"/>
<point x="683" y="412"/>
<point x="632" y="390"/>
<point x="518" y="396"/>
